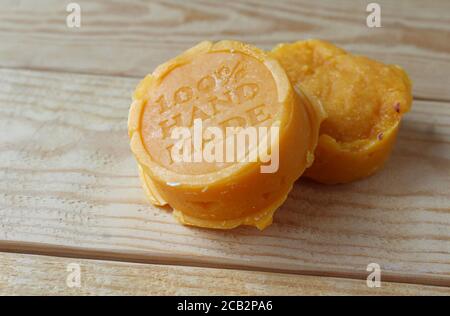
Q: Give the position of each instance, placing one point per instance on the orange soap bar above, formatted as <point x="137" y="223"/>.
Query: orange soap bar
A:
<point x="179" y="125"/>
<point x="364" y="101"/>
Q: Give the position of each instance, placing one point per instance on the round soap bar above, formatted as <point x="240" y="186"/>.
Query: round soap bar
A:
<point x="186" y="123"/>
<point x="364" y="101"/>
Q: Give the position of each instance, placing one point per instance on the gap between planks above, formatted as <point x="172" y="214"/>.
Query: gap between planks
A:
<point x="130" y="76"/>
<point x="27" y="248"/>
<point x="44" y="275"/>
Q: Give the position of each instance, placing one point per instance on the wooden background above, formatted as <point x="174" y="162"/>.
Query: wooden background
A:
<point x="69" y="190"/>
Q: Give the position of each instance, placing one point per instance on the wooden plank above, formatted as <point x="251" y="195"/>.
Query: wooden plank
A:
<point x="131" y="37"/>
<point x="42" y="275"/>
<point x="69" y="184"/>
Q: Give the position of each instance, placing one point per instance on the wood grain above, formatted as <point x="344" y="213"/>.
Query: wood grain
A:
<point x="43" y="275"/>
<point x="69" y="184"/>
<point x="131" y="37"/>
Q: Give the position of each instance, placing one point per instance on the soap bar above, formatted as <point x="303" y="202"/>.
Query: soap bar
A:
<point x="364" y="101"/>
<point x="208" y="176"/>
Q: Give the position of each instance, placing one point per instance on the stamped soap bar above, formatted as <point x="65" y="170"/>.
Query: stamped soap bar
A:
<point x="220" y="135"/>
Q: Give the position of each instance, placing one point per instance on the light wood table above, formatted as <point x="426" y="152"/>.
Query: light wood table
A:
<point x="69" y="190"/>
